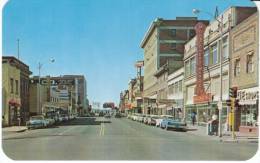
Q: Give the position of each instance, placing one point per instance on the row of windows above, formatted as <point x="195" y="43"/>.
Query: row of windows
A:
<point x="211" y="57"/>
<point x="175" y="88"/>
<point x="249" y="65"/>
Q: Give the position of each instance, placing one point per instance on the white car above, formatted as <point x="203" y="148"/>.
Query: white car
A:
<point x="159" y="120"/>
<point x="152" y="120"/>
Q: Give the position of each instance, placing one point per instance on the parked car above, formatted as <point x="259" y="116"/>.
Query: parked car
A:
<point x="146" y="119"/>
<point x="37" y="122"/>
<point x="101" y="114"/>
<point x="107" y="115"/>
<point x="152" y="120"/>
<point x="141" y="118"/>
<point x="63" y="117"/>
<point x="117" y="115"/>
<point x="159" y="120"/>
<point x="170" y="122"/>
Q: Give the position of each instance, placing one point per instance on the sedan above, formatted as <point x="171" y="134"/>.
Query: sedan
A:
<point x="170" y="122"/>
<point x="152" y="120"/>
<point x="37" y="122"/>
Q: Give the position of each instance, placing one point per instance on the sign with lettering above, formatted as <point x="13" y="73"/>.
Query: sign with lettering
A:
<point x="248" y="96"/>
<point x="200" y="94"/>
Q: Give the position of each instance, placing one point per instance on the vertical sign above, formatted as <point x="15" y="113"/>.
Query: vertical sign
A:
<point x="200" y="94"/>
<point x="200" y="29"/>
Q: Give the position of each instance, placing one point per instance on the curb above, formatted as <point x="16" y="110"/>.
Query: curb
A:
<point x="239" y="140"/>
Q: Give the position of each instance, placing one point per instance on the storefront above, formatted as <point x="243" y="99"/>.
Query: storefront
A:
<point x="14" y="112"/>
<point x="204" y="112"/>
<point x="248" y="110"/>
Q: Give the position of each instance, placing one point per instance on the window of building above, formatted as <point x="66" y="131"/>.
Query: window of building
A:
<point x="16" y="87"/>
<point x="192" y="65"/>
<point x="192" y="33"/>
<point x="187" y="68"/>
<point x="249" y="64"/>
<point x="170" y="89"/>
<point x="237" y="67"/>
<point x="12" y="85"/>
<point x="214" y="54"/>
<point x="180" y="86"/>
<point x="176" y="87"/>
<point x="173" y="45"/>
<point x="206" y="57"/>
<point x="174" y="32"/>
<point x="225" y="48"/>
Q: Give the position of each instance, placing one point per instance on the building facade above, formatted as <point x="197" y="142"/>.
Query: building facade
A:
<point x="164" y="39"/>
<point x="203" y="70"/>
<point x="245" y="74"/>
<point x="175" y="94"/>
<point x="15" y="91"/>
<point x="70" y="89"/>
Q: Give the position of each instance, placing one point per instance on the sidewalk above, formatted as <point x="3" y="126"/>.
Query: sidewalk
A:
<point x="14" y="129"/>
<point x="226" y="137"/>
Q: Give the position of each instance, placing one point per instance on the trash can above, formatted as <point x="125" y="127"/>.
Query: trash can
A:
<point x="209" y="128"/>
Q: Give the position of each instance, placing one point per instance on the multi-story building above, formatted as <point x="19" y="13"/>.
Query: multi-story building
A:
<point x="15" y="91"/>
<point x="72" y="92"/>
<point x="202" y="66"/>
<point x="244" y="73"/>
<point x="175" y="93"/>
<point x="164" y="39"/>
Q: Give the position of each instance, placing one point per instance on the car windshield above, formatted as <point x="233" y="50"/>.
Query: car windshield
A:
<point x="37" y="118"/>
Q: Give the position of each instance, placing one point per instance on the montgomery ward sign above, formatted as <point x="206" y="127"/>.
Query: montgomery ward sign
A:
<point x="200" y="94"/>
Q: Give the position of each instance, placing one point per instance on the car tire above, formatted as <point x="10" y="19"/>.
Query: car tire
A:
<point x="166" y="127"/>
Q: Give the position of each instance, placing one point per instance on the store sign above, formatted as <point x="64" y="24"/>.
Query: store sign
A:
<point x="200" y="94"/>
<point x="247" y="96"/>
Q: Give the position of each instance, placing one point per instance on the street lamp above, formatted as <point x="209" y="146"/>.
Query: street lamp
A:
<point x="39" y="67"/>
<point x="196" y="12"/>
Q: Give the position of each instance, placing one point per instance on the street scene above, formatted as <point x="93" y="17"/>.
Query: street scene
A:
<point x="130" y="80"/>
<point x="99" y="138"/>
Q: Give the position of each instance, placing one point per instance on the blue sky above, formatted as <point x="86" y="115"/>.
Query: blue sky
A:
<point x="97" y="38"/>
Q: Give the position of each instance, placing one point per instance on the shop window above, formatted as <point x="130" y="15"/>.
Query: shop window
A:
<point x="12" y="85"/>
<point x="249" y="64"/>
<point x="237" y="67"/>
<point x="249" y="115"/>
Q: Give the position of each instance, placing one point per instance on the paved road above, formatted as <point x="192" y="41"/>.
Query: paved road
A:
<point x="118" y="139"/>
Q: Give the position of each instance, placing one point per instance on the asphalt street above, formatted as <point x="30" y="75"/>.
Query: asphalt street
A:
<point x="118" y="139"/>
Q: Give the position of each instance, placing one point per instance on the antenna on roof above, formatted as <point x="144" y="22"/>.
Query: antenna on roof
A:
<point x="216" y="12"/>
<point x="18" y="49"/>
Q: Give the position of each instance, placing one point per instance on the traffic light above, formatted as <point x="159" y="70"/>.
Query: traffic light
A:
<point x="233" y="92"/>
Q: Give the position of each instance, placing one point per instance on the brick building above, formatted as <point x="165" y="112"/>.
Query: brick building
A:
<point x="164" y="43"/>
<point x="244" y="72"/>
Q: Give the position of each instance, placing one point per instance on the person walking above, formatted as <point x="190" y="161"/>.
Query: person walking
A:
<point x="193" y="118"/>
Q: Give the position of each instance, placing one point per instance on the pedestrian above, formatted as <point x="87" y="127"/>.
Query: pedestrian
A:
<point x="193" y="118"/>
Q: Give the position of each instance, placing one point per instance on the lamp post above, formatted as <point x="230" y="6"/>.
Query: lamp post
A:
<point x="39" y="68"/>
<point x="196" y="12"/>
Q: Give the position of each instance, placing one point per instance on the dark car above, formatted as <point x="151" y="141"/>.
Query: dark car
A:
<point x="117" y="115"/>
<point x="101" y="114"/>
<point x="107" y="116"/>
